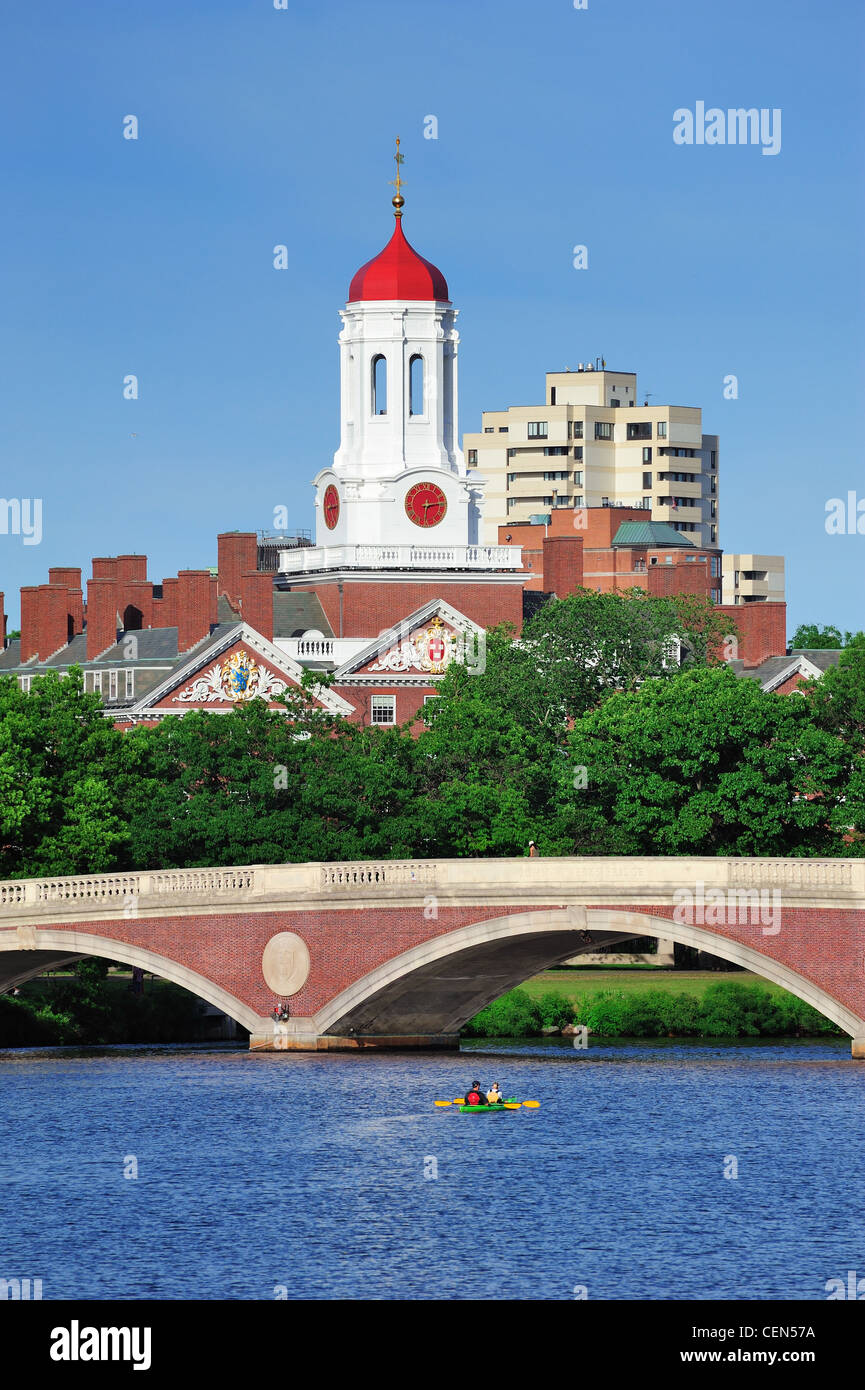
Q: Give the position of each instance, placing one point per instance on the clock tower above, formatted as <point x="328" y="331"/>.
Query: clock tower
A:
<point x="397" y="513"/>
<point x="399" y="475"/>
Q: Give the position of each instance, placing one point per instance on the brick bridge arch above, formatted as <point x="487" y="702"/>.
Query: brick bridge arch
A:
<point x="401" y="953"/>
<point x="435" y="988"/>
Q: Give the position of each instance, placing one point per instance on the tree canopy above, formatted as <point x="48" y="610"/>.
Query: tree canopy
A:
<point x="609" y="727"/>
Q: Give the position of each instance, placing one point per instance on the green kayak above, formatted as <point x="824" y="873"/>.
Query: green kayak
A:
<point x="499" y="1108"/>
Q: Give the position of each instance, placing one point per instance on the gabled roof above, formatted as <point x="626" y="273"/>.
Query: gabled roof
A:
<point x="659" y="533"/>
<point x="399" y="633"/>
<point x="203" y="657"/>
<point x="775" y="670"/>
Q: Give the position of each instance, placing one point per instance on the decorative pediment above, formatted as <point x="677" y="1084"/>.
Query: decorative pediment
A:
<point x="417" y="648"/>
<point x="234" y="667"/>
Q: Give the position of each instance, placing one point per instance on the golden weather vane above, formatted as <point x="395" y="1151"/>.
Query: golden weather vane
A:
<point x="398" y="200"/>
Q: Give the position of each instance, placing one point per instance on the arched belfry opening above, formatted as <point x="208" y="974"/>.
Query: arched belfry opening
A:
<point x="379" y="384"/>
<point x="133" y="618"/>
<point x="416" y="384"/>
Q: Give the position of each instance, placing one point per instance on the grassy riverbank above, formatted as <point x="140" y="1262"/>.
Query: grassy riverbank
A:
<point x="650" y="1004"/>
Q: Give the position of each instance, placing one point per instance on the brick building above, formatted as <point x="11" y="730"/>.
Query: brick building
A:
<point x="400" y="578"/>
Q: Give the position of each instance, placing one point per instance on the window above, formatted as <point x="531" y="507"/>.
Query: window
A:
<point x="554" y="450"/>
<point x="557" y="477"/>
<point x="512" y="453"/>
<point x="552" y="395"/>
<point x="112" y="685"/>
<point x="429" y="700"/>
<point x="473" y="455"/>
<point x="647" y="503"/>
<point x="578" y="502"/>
<point x="537" y="429"/>
<point x="578" y="429"/>
<point x="716" y="567"/>
<point x="415" y="388"/>
<point x="578" y="451"/>
<point x="489" y="429"/>
<point x="96" y="677"/>
<point x="662" y="429"/>
<point x="503" y="429"/>
<point x="130" y="684"/>
<point x="24" y="682"/>
<point x="512" y="477"/>
<point x="578" y="478"/>
<point x="547" y="501"/>
<point x="614" y="402"/>
<point x="647" y="453"/>
<point x="716" y="595"/>
<point x="379" y="385"/>
<point x="640" y="431"/>
<point x="603" y="429"/>
<point x="713" y="530"/>
<point x="714" y="506"/>
<point x="647" y="479"/>
<point x="383" y="709"/>
<point x="714" y="456"/>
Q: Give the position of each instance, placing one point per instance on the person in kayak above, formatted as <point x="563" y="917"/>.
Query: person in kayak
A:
<point x="474" y="1094"/>
<point x="494" y="1095"/>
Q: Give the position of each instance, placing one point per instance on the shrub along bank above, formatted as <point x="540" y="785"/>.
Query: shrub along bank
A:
<point x="726" y="1010"/>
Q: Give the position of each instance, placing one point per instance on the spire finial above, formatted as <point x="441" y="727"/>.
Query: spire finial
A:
<point x="398" y="200"/>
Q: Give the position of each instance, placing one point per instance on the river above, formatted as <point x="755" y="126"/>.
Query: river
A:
<point x="335" y="1176"/>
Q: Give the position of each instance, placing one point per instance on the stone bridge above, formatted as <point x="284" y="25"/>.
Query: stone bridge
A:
<point x="401" y="954"/>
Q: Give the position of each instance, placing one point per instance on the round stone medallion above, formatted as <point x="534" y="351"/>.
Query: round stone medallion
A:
<point x="285" y="963"/>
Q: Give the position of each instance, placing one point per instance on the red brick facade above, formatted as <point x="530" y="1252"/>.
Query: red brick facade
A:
<point x="369" y="608"/>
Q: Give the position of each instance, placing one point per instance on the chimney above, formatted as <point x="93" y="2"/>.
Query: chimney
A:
<point x="53" y="619"/>
<point x="193" y="607"/>
<point x="29" y="618"/>
<point x="165" y="609"/>
<point x="214" y="599"/>
<point x="105" y="567"/>
<point x="257" y="601"/>
<point x="138" y="593"/>
<point x="563" y="564"/>
<point x="71" y="578"/>
<point x="101" y="614"/>
<point x="131" y="568"/>
<point x="237" y="555"/>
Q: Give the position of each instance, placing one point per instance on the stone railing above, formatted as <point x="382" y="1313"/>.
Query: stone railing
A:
<point x="564" y="881"/>
<point x="403" y="557"/>
<point x="389" y="873"/>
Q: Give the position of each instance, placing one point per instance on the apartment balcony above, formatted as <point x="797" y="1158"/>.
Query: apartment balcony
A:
<point x="753" y="588"/>
<point x="322" y="558"/>
<point x="681" y="513"/>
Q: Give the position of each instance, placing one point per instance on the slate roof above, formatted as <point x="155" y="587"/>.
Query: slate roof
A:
<point x="296" y="611"/>
<point x="821" y="657"/>
<point x="650" y="533"/>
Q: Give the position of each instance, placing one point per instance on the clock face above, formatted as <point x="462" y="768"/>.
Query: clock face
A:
<point x="331" y="506"/>
<point x="425" y="504"/>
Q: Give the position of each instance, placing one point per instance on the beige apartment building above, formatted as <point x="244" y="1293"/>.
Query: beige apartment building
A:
<point x="753" y="579"/>
<point x="593" y="443"/>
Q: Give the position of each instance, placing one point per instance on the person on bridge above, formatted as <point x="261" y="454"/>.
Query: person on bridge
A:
<point x="494" y="1095"/>
<point x="533" y="850"/>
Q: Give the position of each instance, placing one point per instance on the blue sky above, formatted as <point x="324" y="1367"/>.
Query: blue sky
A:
<point x="261" y="126"/>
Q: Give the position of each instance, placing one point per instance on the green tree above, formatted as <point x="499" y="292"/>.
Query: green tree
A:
<point x="704" y="763"/>
<point x="811" y="636"/>
<point x="59" y="758"/>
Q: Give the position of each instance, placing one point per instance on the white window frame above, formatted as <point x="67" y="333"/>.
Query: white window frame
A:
<point x="385" y="703"/>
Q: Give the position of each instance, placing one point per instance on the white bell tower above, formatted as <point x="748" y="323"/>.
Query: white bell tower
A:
<point x="399" y="475"/>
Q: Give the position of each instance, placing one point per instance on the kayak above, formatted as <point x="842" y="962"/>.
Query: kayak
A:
<point x="498" y="1108"/>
